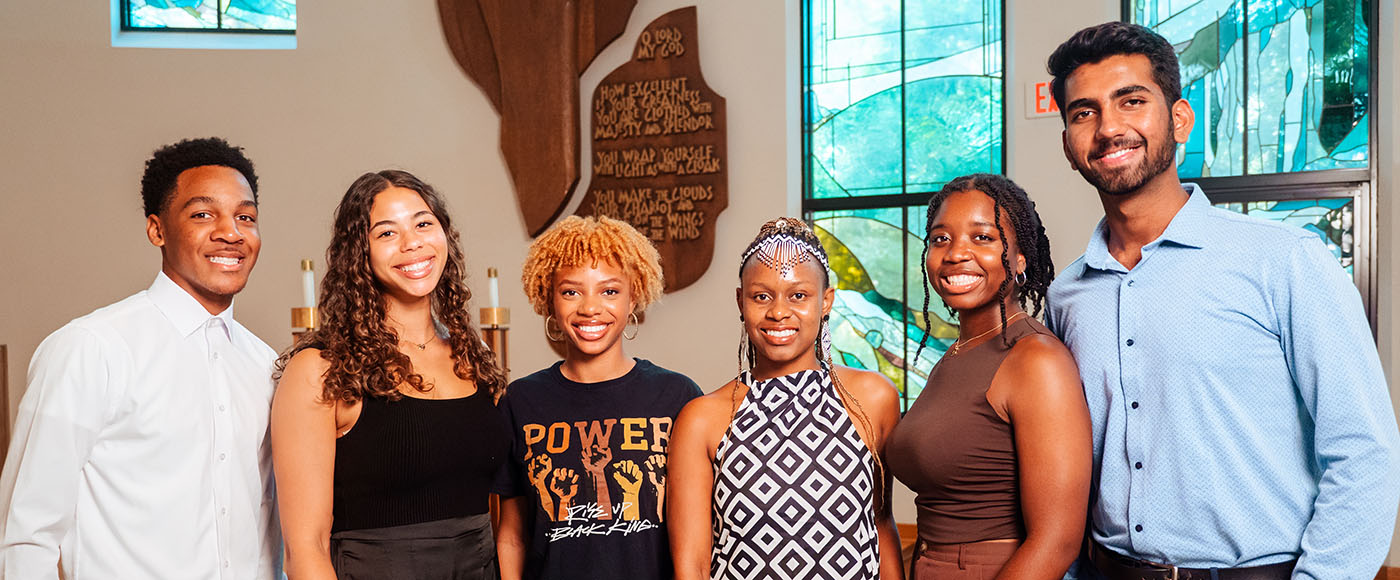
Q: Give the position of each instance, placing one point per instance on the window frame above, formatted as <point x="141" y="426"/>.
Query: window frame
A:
<point x="195" y="38"/>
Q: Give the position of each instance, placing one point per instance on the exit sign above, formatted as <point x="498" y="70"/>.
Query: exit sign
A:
<point x="1040" y="102"/>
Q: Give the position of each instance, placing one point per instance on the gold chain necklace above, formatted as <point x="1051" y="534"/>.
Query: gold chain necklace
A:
<point x="423" y="345"/>
<point x="957" y="345"/>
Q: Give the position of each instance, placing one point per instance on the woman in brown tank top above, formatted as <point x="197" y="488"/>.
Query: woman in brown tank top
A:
<point x="997" y="446"/>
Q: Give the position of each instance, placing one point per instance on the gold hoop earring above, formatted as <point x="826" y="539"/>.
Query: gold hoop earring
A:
<point x="637" y="327"/>
<point x="547" y="334"/>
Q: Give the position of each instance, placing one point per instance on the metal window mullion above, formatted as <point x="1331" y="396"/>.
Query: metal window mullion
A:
<point x="904" y="183"/>
<point x="1244" y="72"/>
<point x="804" y="16"/>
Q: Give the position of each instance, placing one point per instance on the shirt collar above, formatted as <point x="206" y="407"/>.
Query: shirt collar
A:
<point x="181" y="309"/>
<point x="1187" y="228"/>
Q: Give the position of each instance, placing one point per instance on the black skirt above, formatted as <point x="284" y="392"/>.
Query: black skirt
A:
<point x="451" y="549"/>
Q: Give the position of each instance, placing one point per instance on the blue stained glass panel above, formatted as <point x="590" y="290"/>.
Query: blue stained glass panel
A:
<point x="243" y="15"/>
<point x="901" y="96"/>
<point x="877" y="321"/>
<point x="853" y="109"/>
<point x="1277" y="85"/>
<point x="1330" y="218"/>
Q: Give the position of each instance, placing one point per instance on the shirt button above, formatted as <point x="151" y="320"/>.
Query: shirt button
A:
<point x="223" y="511"/>
<point x="1138" y="527"/>
<point x="1135" y="405"/>
<point x="1138" y="465"/>
<point x="1130" y="342"/>
<point x="216" y="356"/>
<point x="221" y="406"/>
<point x="223" y="456"/>
<point x="226" y="561"/>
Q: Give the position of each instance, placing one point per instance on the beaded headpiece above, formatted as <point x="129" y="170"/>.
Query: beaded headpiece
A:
<point x="781" y="247"/>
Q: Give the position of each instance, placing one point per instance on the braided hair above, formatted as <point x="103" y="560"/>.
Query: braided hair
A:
<point x="1030" y="240"/>
<point x="787" y="234"/>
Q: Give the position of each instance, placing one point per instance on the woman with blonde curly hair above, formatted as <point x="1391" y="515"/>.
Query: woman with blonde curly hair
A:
<point x="385" y="433"/>
<point x="583" y="492"/>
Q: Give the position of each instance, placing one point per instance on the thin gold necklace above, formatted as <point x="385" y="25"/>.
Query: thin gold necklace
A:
<point x="957" y="345"/>
<point x="421" y="345"/>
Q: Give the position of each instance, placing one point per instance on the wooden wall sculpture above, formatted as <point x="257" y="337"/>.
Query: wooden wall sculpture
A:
<point x="527" y="55"/>
<point x="658" y="131"/>
<point x="659" y="155"/>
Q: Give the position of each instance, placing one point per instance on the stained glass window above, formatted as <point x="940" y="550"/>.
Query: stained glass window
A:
<point x="1278" y="86"/>
<point x="1329" y="218"/>
<point x="900" y="97"/>
<point x="278" y="16"/>
<point x="878" y="320"/>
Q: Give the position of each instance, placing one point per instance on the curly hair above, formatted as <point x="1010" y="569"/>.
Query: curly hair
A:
<point x="796" y="229"/>
<point x="579" y="241"/>
<point x="362" y="349"/>
<point x="1031" y="241"/>
<point x="1096" y="43"/>
<point x="167" y="163"/>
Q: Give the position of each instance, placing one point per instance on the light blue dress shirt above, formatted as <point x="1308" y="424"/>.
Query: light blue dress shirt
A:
<point x="1240" y="416"/>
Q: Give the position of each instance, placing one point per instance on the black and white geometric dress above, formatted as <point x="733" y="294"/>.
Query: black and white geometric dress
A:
<point x="794" y="487"/>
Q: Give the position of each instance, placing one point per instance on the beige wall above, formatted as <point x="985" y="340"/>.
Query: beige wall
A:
<point x="371" y="87"/>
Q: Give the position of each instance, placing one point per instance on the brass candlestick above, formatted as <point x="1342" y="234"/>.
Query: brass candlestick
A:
<point x="304" y="317"/>
<point x="495" y="322"/>
<point x="495" y="328"/>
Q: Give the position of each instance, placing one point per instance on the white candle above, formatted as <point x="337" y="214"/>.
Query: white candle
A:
<point x="308" y="284"/>
<point x="493" y="289"/>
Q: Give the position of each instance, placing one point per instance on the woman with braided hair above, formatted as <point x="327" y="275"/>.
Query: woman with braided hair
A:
<point x="779" y="473"/>
<point x="997" y="446"/>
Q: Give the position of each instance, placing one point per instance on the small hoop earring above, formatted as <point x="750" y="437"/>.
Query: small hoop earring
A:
<point x="637" y="327"/>
<point x="1020" y="278"/>
<point x="550" y="336"/>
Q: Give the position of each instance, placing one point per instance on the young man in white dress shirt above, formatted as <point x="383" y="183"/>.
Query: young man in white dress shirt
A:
<point x="141" y="446"/>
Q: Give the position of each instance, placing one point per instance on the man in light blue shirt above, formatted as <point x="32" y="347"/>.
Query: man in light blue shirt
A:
<point x="1242" y="424"/>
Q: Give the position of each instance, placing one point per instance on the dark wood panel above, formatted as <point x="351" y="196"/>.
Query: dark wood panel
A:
<point x="527" y="55"/>
<point x="470" y="42"/>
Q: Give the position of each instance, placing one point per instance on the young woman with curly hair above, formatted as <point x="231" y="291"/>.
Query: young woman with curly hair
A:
<point x="997" y="445"/>
<point x="385" y="432"/>
<point x="779" y="473"/>
<point x="583" y="493"/>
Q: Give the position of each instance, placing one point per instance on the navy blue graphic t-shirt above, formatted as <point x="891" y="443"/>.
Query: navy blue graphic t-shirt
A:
<point x="591" y="459"/>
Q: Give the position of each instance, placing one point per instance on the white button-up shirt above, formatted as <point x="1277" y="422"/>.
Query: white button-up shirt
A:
<point x="141" y="449"/>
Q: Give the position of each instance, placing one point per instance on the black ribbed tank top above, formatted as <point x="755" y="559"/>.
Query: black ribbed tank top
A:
<point x="417" y="460"/>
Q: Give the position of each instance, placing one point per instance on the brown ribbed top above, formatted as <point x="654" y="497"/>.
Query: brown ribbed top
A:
<point x="956" y="454"/>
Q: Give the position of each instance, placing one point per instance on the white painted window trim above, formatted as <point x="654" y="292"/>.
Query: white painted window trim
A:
<point x="196" y="40"/>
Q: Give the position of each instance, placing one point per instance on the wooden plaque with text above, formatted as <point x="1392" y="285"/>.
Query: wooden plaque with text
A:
<point x="659" y="157"/>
